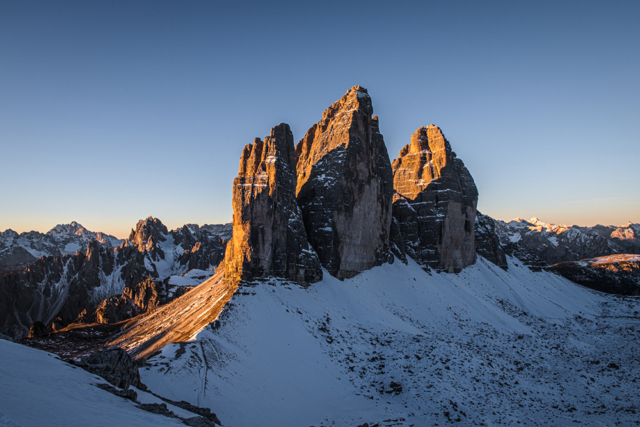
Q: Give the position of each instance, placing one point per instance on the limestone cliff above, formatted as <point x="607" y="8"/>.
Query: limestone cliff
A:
<point x="487" y="241"/>
<point x="345" y="187"/>
<point x="269" y="238"/>
<point x="435" y="202"/>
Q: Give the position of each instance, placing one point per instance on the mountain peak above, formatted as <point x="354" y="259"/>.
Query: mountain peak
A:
<point x="72" y="228"/>
<point x="345" y="186"/>
<point x="356" y="99"/>
<point x="269" y="237"/>
<point x="436" y="201"/>
<point x="148" y="233"/>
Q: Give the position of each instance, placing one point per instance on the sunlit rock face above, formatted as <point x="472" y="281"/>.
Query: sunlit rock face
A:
<point x="435" y="202"/>
<point x="269" y="237"/>
<point x="147" y="236"/>
<point x="345" y="187"/>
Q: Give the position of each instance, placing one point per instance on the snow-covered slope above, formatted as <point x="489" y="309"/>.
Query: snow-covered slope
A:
<point x="397" y="346"/>
<point x="37" y="389"/>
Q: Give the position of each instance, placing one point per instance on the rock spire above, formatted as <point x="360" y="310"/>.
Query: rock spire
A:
<point x="269" y="237"/>
<point x="435" y="202"/>
<point x="345" y="187"/>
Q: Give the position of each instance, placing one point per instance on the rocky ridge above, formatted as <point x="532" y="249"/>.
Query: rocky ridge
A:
<point x="541" y="244"/>
<point x="269" y="237"/>
<point x="345" y="187"/>
<point x="613" y="274"/>
<point x="435" y="202"/>
<point x="107" y="284"/>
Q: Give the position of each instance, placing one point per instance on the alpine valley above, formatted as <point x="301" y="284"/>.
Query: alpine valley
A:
<point x="349" y="290"/>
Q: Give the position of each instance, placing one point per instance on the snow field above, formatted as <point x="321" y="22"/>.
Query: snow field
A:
<point x="37" y="389"/>
<point x="398" y="346"/>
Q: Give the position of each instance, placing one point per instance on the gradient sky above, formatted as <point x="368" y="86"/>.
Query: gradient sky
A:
<point x="114" y="111"/>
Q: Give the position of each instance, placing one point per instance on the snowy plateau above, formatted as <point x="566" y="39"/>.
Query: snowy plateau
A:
<point x="396" y="346"/>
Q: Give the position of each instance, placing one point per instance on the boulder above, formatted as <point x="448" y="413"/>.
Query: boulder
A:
<point x="38" y="330"/>
<point x="345" y="187"/>
<point x="114" y="365"/>
<point x="435" y="202"/>
<point x="269" y="237"/>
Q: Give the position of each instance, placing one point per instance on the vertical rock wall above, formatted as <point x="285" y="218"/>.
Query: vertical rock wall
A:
<point x="269" y="237"/>
<point x="435" y="202"/>
<point x="487" y="241"/>
<point x="345" y="187"/>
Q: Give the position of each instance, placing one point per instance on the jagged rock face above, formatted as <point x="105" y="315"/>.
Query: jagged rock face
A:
<point x="269" y="238"/>
<point x="147" y="235"/>
<point x="203" y="248"/>
<point x="435" y="202"/>
<point x="540" y="244"/>
<point x="70" y="288"/>
<point x="487" y="241"/>
<point x="345" y="187"/>
<point x="614" y="274"/>
<point x="137" y="299"/>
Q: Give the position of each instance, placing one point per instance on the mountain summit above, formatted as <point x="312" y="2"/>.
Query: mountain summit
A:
<point x="435" y="202"/>
<point x="345" y="186"/>
<point x="269" y="238"/>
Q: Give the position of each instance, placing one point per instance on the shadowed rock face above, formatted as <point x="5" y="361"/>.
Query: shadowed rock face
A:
<point x="345" y="187"/>
<point x="136" y="299"/>
<point x="269" y="238"/>
<point x="435" y="202"/>
<point x="487" y="241"/>
<point x="614" y="274"/>
<point x="107" y="284"/>
<point x="540" y="244"/>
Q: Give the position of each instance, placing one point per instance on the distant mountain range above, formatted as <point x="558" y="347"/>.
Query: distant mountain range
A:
<point x="17" y="250"/>
<point x="541" y="244"/>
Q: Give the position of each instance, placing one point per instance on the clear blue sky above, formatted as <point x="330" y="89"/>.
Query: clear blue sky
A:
<point x="114" y="111"/>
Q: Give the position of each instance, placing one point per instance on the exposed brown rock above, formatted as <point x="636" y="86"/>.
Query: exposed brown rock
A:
<point x="345" y="187"/>
<point x="269" y="238"/>
<point x="148" y="233"/>
<point x="435" y="202"/>
<point x="180" y="320"/>
<point x="38" y="330"/>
